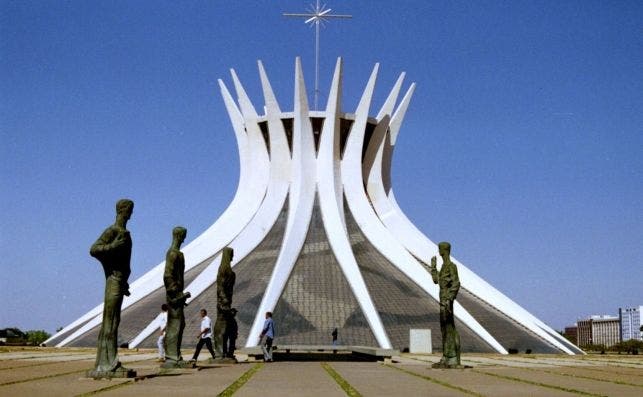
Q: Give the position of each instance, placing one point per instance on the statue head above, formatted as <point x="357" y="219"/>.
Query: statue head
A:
<point x="124" y="208"/>
<point x="444" y="248"/>
<point x="179" y="233"/>
<point x="227" y="255"/>
<point x="225" y="269"/>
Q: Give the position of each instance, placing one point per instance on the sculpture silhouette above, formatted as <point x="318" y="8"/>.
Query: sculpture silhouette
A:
<point x="174" y="284"/>
<point x="449" y="282"/>
<point x="113" y="249"/>
<point x="225" y="285"/>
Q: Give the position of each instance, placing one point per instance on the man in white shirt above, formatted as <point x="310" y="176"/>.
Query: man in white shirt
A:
<point x="204" y="336"/>
<point x="161" y="319"/>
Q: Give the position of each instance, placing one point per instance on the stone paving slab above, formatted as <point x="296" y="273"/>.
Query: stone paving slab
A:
<point x="483" y="384"/>
<point x="63" y="372"/>
<point x="12" y="364"/>
<point x="503" y="362"/>
<point x="375" y="379"/>
<point x="602" y="373"/>
<point x="46" y="357"/>
<point x="470" y="361"/>
<point x="584" y="385"/>
<point x="618" y="370"/>
<point x="279" y="379"/>
<point x="551" y="361"/>
<point x="208" y="381"/>
<point x="527" y="362"/>
<point x="67" y="385"/>
<point x="619" y="361"/>
<point x="31" y="372"/>
<point x="62" y="358"/>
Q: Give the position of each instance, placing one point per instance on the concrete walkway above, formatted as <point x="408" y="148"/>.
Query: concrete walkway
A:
<point x="60" y="372"/>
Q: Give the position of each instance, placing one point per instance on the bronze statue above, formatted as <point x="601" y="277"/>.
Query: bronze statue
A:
<point x="447" y="279"/>
<point x="174" y="284"/>
<point x="225" y="285"/>
<point x="113" y="249"/>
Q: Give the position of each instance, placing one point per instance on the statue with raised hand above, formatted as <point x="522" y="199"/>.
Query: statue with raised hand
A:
<point x="449" y="282"/>
<point x="225" y="285"/>
<point x="175" y="297"/>
<point x="113" y="249"/>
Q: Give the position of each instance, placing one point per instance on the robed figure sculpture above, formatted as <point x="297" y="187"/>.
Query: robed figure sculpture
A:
<point x="113" y="249"/>
<point x="449" y="282"/>
<point x="175" y="298"/>
<point x="225" y="285"/>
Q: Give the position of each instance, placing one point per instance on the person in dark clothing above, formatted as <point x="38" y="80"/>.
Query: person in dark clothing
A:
<point x="230" y="335"/>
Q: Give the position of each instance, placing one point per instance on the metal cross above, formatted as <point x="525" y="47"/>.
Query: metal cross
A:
<point x="317" y="14"/>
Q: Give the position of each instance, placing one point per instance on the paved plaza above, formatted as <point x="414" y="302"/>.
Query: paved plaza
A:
<point x="59" y="372"/>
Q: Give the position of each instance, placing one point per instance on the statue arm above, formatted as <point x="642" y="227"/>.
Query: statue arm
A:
<point x="434" y="270"/>
<point x="111" y="240"/>
<point x="103" y="244"/>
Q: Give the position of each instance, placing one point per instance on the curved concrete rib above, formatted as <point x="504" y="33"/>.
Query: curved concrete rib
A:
<point x="248" y="197"/>
<point x="390" y="214"/>
<point x="261" y="224"/>
<point x="374" y="230"/>
<point x="300" y="208"/>
<point x="269" y="174"/>
<point x="328" y="177"/>
<point x="383" y="118"/>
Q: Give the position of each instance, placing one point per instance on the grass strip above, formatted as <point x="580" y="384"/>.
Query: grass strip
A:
<point x="56" y="355"/>
<point x="626" y="361"/>
<point x="44" y="363"/>
<point x="607" y="369"/>
<point x="436" y="381"/>
<point x="464" y="359"/>
<point x="107" y="388"/>
<point x="32" y="357"/>
<point x="236" y="385"/>
<point x="616" y="381"/>
<point x="565" y="389"/>
<point x="41" y="377"/>
<point x="343" y="383"/>
<point x="55" y="375"/>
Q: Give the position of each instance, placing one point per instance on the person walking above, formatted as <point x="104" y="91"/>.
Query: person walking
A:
<point x="269" y="332"/>
<point x="205" y="336"/>
<point x="161" y="320"/>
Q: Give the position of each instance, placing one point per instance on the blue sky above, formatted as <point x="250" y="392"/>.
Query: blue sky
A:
<point x="522" y="145"/>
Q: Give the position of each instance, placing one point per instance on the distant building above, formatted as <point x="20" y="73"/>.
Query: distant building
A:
<point x="571" y="333"/>
<point x="599" y="330"/>
<point x="630" y="319"/>
<point x="12" y="336"/>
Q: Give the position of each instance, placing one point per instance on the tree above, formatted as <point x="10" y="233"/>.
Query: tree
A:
<point x="36" y="337"/>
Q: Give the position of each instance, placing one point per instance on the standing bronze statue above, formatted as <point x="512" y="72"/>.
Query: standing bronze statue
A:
<point x="449" y="282"/>
<point x="176" y="297"/>
<point x="113" y="249"/>
<point x="225" y="285"/>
